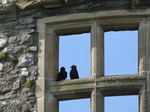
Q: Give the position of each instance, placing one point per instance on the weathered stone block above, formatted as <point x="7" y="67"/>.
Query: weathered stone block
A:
<point x="14" y="73"/>
<point x="26" y="21"/>
<point x="51" y="3"/>
<point x="10" y="95"/>
<point x="2" y="34"/>
<point x="33" y="48"/>
<point x="14" y="50"/>
<point x="1" y="66"/>
<point x="13" y="41"/>
<point x="26" y="60"/>
<point x="24" y="72"/>
<point x="5" y="85"/>
<point x="21" y="39"/>
<point x="3" y="42"/>
<point x="16" y="85"/>
<point x="7" y="13"/>
<point x="74" y="2"/>
<point x="26" y="39"/>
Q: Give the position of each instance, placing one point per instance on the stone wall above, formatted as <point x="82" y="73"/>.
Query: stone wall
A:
<point x="18" y="63"/>
<point x="19" y="45"/>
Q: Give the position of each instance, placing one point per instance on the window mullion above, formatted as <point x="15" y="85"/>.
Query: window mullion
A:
<point x="97" y="50"/>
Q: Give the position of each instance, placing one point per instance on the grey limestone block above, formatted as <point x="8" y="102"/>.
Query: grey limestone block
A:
<point x="22" y="39"/>
<point x="26" y="20"/>
<point x="16" y="85"/>
<point x="26" y="60"/>
<point x="3" y="42"/>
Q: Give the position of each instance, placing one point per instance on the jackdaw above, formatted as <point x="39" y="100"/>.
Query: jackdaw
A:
<point x="74" y="72"/>
<point x="62" y="75"/>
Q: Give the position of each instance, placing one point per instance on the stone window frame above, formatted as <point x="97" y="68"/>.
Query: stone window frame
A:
<point x="97" y="23"/>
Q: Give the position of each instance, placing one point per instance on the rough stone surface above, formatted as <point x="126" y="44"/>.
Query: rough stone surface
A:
<point x="19" y="43"/>
<point x="25" y="38"/>
<point x="16" y="85"/>
<point x="26" y="60"/>
<point x="24" y="72"/>
<point x="1" y="66"/>
<point x="18" y="46"/>
<point x="2" y="42"/>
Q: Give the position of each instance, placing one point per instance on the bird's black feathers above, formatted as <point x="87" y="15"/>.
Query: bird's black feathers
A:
<point x="74" y="72"/>
<point x="62" y="75"/>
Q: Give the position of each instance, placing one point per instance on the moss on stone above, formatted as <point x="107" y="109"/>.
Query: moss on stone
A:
<point x="3" y="55"/>
<point x="26" y="110"/>
<point x="29" y="83"/>
<point x="23" y="80"/>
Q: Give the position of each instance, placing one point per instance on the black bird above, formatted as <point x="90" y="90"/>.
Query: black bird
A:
<point x="62" y="75"/>
<point x="74" y="72"/>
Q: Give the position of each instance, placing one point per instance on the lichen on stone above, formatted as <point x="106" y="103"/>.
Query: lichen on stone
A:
<point x="26" y="4"/>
